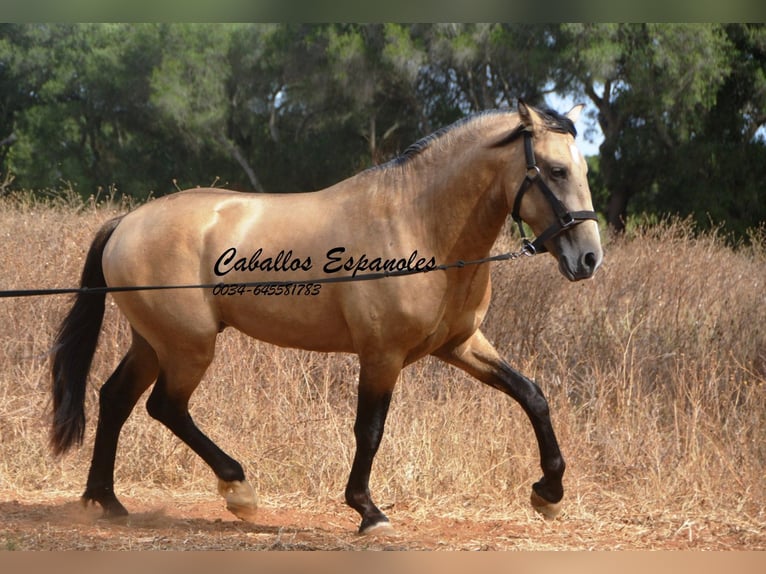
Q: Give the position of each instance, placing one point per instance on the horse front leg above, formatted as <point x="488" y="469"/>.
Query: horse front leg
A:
<point x="478" y="357"/>
<point x="376" y="384"/>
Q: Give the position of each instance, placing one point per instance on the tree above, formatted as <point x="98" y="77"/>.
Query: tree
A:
<point x="717" y="175"/>
<point x="740" y="108"/>
<point x="375" y="68"/>
<point x="474" y="67"/>
<point x="85" y="102"/>
<point x="295" y="107"/>
<point x="652" y="85"/>
<point x="19" y="83"/>
<point x="195" y="93"/>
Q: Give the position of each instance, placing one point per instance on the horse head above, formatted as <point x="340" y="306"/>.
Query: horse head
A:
<point x="554" y="198"/>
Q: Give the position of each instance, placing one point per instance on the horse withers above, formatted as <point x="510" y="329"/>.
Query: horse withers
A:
<point x="444" y="200"/>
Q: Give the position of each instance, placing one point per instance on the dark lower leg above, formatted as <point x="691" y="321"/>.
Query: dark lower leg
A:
<point x="533" y="402"/>
<point x="117" y="398"/>
<point x="479" y="358"/>
<point x="174" y="414"/>
<point x="371" y="414"/>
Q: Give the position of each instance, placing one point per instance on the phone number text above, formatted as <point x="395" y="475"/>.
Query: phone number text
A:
<point x="270" y="289"/>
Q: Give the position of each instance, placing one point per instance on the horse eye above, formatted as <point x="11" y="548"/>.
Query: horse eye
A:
<point x="558" y="172"/>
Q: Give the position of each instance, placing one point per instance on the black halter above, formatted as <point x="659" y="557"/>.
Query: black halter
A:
<point x="564" y="218"/>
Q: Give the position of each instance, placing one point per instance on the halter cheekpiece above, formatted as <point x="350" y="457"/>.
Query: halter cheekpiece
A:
<point x="565" y="219"/>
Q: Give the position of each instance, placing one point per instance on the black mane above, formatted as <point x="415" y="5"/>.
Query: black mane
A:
<point x="416" y="148"/>
<point x="553" y="121"/>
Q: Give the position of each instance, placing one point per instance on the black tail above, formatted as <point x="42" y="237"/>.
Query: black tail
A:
<point x="74" y="348"/>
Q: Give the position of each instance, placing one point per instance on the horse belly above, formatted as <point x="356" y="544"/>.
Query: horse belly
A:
<point x="288" y="320"/>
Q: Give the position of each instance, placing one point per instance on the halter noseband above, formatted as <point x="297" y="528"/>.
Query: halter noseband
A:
<point x="564" y="218"/>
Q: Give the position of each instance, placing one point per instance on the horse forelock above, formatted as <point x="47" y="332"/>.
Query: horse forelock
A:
<point x="556" y="122"/>
<point x="552" y="121"/>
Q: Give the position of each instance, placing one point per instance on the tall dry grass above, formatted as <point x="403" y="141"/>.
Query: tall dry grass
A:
<point x="655" y="371"/>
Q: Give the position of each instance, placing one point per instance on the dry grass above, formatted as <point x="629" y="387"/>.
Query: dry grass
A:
<point x="655" y="371"/>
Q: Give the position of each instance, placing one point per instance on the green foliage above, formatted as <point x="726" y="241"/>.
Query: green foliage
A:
<point x="668" y="96"/>
<point x="147" y="108"/>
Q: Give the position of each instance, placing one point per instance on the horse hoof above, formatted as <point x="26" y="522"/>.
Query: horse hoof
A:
<point x="240" y="498"/>
<point x="111" y="508"/>
<point x="244" y="513"/>
<point x="382" y="528"/>
<point x="549" y="510"/>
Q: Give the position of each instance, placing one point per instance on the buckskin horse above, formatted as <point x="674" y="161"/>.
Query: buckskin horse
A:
<point x="445" y="199"/>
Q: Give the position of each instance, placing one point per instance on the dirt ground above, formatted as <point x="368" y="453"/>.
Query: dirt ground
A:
<point x="160" y="521"/>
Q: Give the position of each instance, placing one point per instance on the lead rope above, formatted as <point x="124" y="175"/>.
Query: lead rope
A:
<point x="526" y="251"/>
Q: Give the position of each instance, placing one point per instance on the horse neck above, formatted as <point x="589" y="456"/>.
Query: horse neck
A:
<point x="456" y="200"/>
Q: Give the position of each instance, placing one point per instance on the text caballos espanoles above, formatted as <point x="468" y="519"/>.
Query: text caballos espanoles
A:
<point x="336" y="260"/>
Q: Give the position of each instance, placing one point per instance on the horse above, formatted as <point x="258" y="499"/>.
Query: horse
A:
<point x="260" y="260"/>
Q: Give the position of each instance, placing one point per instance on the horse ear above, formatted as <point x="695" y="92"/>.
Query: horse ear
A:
<point x="526" y="115"/>
<point x="574" y="113"/>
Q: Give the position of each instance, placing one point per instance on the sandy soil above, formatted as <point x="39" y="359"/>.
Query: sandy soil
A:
<point x="159" y="521"/>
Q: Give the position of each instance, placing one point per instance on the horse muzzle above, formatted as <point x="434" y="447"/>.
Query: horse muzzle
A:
<point x="580" y="263"/>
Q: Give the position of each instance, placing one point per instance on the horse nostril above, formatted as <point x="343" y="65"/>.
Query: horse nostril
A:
<point x="589" y="261"/>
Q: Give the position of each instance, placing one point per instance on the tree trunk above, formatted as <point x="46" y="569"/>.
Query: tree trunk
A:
<point x="236" y="153"/>
<point x="372" y="141"/>
<point x="617" y="209"/>
<point x="619" y="194"/>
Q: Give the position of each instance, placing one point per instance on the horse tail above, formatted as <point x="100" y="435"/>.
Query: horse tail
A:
<point x="74" y="347"/>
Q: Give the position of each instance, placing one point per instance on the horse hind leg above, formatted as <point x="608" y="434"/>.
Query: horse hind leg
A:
<point x="168" y="403"/>
<point x="117" y="397"/>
